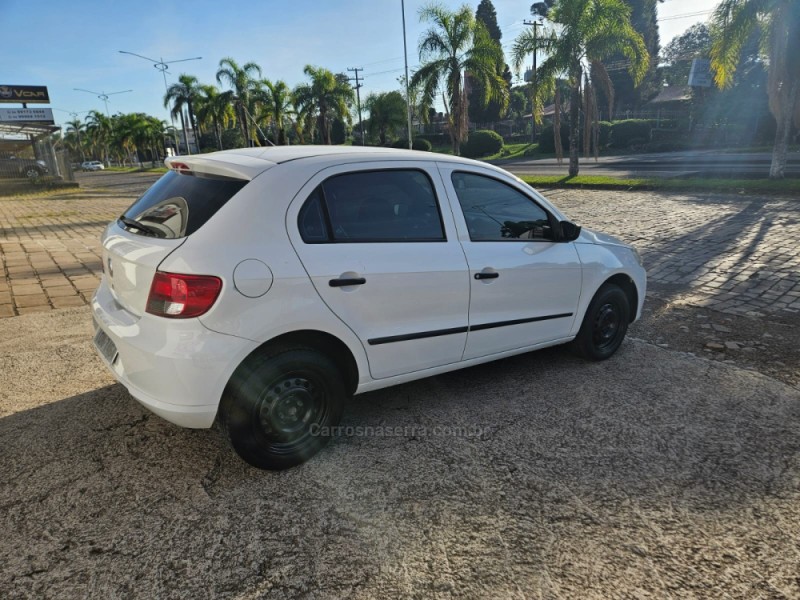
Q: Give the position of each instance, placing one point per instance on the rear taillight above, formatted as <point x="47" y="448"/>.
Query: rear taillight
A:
<point x="182" y="296"/>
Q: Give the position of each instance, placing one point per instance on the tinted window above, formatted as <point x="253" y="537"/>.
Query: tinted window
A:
<point x="177" y="205"/>
<point x="376" y="206"/>
<point x="312" y="219"/>
<point x="495" y="211"/>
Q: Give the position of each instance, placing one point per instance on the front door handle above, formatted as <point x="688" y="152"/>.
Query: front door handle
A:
<point x="485" y="275"/>
<point x="347" y="281"/>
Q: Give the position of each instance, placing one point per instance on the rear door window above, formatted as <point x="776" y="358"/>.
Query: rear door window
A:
<point x="373" y="206"/>
<point x="179" y="204"/>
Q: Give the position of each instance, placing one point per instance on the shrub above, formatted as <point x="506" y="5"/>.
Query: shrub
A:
<point x="416" y="144"/>
<point x="482" y="143"/>
<point x="547" y="143"/>
<point x="625" y="133"/>
<point x="605" y="133"/>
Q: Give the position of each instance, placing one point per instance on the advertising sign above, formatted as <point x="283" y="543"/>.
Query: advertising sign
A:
<point x="32" y="94"/>
<point x="700" y="75"/>
<point x="26" y="115"/>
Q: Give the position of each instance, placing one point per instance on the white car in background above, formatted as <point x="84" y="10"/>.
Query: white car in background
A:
<point x="92" y="165"/>
<point x="261" y="287"/>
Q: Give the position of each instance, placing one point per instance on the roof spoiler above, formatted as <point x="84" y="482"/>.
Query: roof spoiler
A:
<point x="245" y="167"/>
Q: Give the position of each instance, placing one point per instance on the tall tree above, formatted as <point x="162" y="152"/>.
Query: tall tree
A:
<point x="676" y="57"/>
<point x="327" y="97"/>
<point x="586" y="33"/>
<point x="777" y="22"/>
<point x="627" y="93"/>
<point x="74" y="130"/>
<point x="99" y="129"/>
<point x="184" y="94"/>
<point x="457" y="44"/>
<point x="276" y="101"/>
<point x="215" y="110"/>
<point x="242" y="81"/>
<point x="493" y="110"/>
<point x="387" y="114"/>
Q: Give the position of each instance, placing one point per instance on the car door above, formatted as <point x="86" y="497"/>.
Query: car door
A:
<point x="385" y="258"/>
<point x="525" y="285"/>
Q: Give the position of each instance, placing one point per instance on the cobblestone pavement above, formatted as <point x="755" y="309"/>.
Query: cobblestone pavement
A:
<point x="735" y="254"/>
<point x="731" y="253"/>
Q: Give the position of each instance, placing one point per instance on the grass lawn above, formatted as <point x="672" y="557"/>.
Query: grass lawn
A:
<point x="783" y="186"/>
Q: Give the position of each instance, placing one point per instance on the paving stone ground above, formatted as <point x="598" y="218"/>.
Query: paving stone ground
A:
<point x="733" y="253"/>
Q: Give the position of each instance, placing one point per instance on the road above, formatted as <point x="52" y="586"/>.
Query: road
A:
<point x="705" y="163"/>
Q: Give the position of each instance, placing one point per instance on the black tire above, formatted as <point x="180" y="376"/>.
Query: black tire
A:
<point x="32" y="172"/>
<point x="604" y="324"/>
<point x="278" y="406"/>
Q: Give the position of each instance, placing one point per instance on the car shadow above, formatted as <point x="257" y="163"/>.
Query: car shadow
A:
<point x="96" y="490"/>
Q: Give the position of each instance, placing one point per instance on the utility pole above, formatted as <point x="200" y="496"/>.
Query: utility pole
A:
<point x="405" y="57"/>
<point x="358" y="99"/>
<point x="535" y="25"/>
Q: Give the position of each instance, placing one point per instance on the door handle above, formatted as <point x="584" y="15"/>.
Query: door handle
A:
<point x="484" y="275"/>
<point x="347" y="281"/>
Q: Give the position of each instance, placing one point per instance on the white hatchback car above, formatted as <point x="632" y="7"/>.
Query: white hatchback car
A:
<point x="261" y="287"/>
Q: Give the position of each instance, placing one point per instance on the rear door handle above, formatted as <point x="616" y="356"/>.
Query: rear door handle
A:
<point x="484" y="275"/>
<point x="346" y="282"/>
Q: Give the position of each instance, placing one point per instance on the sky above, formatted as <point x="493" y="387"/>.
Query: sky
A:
<point x="75" y="43"/>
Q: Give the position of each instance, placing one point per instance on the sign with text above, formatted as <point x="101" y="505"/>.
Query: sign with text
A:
<point x="32" y="94"/>
<point x="700" y="75"/>
<point x="26" y="115"/>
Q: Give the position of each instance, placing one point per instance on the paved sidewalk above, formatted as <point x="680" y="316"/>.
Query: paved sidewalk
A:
<point x="50" y="250"/>
<point x="736" y="254"/>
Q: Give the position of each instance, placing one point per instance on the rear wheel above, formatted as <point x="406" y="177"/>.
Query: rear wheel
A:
<point x="279" y="406"/>
<point x="604" y="325"/>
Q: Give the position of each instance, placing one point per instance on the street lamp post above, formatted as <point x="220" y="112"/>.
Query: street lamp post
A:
<point x="104" y="97"/>
<point x="163" y="66"/>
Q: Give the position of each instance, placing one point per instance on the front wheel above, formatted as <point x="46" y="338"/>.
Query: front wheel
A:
<point x="32" y="172"/>
<point x="604" y="325"/>
<point x="278" y="408"/>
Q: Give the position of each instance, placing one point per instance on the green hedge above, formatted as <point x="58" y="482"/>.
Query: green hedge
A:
<point x="626" y="133"/>
<point x="547" y="142"/>
<point x="416" y="144"/>
<point x="482" y="143"/>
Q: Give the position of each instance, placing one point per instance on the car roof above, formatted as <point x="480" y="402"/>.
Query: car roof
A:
<point x="248" y="162"/>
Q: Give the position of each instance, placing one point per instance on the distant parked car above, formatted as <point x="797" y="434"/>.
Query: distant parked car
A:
<point x="92" y="165"/>
<point x="22" y="167"/>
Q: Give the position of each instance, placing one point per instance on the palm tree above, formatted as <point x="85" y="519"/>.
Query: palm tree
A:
<point x="74" y="129"/>
<point x="387" y="113"/>
<point x="214" y="109"/>
<point x="324" y="100"/>
<point x="276" y="100"/>
<point x="184" y="94"/>
<point x="586" y="33"/>
<point x="99" y="129"/>
<point x="777" y="23"/>
<point x="456" y="46"/>
<point x="242" y="81"/>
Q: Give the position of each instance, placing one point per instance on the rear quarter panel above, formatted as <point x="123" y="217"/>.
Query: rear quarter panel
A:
<point x="252" y="226"/>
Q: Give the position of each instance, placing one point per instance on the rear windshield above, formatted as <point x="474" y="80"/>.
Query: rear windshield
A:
<point x="179" y="204"/>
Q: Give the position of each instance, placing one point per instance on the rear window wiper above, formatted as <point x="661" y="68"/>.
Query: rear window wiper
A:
<point x="134" y="224"/>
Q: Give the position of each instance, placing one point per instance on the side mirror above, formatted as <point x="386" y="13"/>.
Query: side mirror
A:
<point x="569" y="231"/>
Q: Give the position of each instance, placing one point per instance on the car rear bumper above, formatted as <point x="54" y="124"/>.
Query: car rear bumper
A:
<point x="177" y="368"/>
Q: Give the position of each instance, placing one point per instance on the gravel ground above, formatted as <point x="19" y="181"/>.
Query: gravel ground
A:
<point x="653" y="475"/>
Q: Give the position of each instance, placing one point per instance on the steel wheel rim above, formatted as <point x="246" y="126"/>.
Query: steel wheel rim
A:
<point x="287" y="409"/>
<point x="607" y="325"/>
